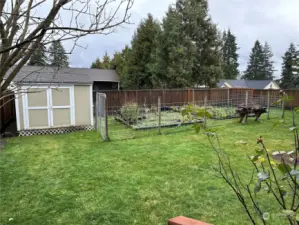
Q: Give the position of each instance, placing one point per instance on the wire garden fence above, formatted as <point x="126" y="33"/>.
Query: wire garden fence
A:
<point x="133" y="119"/>
<point x="101" y="116"/>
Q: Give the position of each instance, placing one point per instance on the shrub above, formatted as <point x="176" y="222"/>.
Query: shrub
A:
<point x="130" y="112"/>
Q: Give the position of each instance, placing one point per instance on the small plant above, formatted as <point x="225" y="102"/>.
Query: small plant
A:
<point x="192" y="112"/>
<point x="130" y="112"/>
<point x="221" y="112"/>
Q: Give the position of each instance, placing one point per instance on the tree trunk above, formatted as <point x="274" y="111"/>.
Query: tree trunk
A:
<point x="1" y="123"/>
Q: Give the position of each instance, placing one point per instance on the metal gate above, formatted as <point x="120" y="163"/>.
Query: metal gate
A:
<point x="101" y="116"/>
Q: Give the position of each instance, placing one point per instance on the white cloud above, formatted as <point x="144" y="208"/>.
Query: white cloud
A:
<point x="274" y="21"/>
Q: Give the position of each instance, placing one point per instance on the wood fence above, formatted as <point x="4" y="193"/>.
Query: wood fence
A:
<point x="7" y="111"/>
<point x="168" y="96"/>
<point x="185" y="96"/>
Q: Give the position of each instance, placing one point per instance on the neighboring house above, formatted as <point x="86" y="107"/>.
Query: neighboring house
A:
<point x="254" y="84"/>
<point x="56" y="101"/>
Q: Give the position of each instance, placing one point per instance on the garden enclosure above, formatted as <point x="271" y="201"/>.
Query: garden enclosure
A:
<point x="155" y="110"/>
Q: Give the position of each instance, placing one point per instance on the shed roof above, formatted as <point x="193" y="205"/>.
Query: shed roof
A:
<point x="36" y="74"/>
<point x="255" y="84"/>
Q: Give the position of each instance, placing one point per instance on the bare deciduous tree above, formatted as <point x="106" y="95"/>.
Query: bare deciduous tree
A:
<point x="24" y="24"/>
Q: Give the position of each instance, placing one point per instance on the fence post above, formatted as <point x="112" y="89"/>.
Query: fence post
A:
<point x="205" y="105"/>
<point x="159" y="114"/>
<point x="246" y="98"/>
<point x="151" y="100"/>
<point x="106" y="119"/>
<point x="282" y="107"/>
<point x="228" y="93"/>
<point x="268" y="105"/>
<point x="205" y="99"/>
<point x="193" y="97"/>
<point x="96" y="110"/>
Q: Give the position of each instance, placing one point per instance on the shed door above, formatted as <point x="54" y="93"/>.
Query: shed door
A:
<point x="48" y="107"/>
<point x="37" y="110"/>
<point x="62" y="107"/>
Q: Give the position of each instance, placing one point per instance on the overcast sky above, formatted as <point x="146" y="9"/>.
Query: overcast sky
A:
<point x="275" y="21"/>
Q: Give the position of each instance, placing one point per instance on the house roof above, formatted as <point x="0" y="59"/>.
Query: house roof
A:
<point x="36" y="74"/>
<point x="255" y="84"/>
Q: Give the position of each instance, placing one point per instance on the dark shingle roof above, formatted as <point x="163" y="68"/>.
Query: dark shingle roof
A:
<point x="36" y="74"/>
<point x="256" y="84"/>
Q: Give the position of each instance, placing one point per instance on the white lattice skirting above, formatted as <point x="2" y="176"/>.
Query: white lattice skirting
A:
<point x="60" y="130"/>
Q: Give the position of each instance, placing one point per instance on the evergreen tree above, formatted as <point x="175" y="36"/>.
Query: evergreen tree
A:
<point x="174" y="55"/>
<point x="198" y="26"/>
<point x="256" y="65"/>
<point x="230" y="56"/>
<point x="143" y="46"/>
<point x="97" y="64"/>
<point x="290" y="69"/>
<point x="119" y="63"/>
<point x="189" y="48"/>
<point x="39" y="57"/>
<point x="58" y="57"/>
<point x="260" y="65"/>
<point x="268" y="63"/>
<point x="105" y="64"/>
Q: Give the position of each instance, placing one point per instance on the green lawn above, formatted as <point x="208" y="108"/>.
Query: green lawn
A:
<point x="136" y="178"/>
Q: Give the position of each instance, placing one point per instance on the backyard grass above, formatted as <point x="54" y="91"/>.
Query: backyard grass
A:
<point x="137" y="178"/>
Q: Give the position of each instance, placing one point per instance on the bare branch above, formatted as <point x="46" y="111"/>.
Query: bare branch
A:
<point x="21" y="31"/>
<point x="25" y="29"/>
<point x="2" y="4"/>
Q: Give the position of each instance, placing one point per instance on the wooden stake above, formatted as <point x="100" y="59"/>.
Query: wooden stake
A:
<point x="282" y="106"/>
<point x="159" y="114"/>
<point x="193" y="97"/>
<point x="205" y="99"/>
<point x="205" y="105"/>
<point x="246" y="98"/>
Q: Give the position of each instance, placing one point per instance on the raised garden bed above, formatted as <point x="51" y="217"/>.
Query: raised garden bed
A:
<point x="151" y="121"/>
<point x="225" y="118"/>
<point x="171" y="117"/>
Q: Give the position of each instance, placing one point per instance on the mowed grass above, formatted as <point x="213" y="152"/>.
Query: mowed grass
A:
<point x="141" y="179"/>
